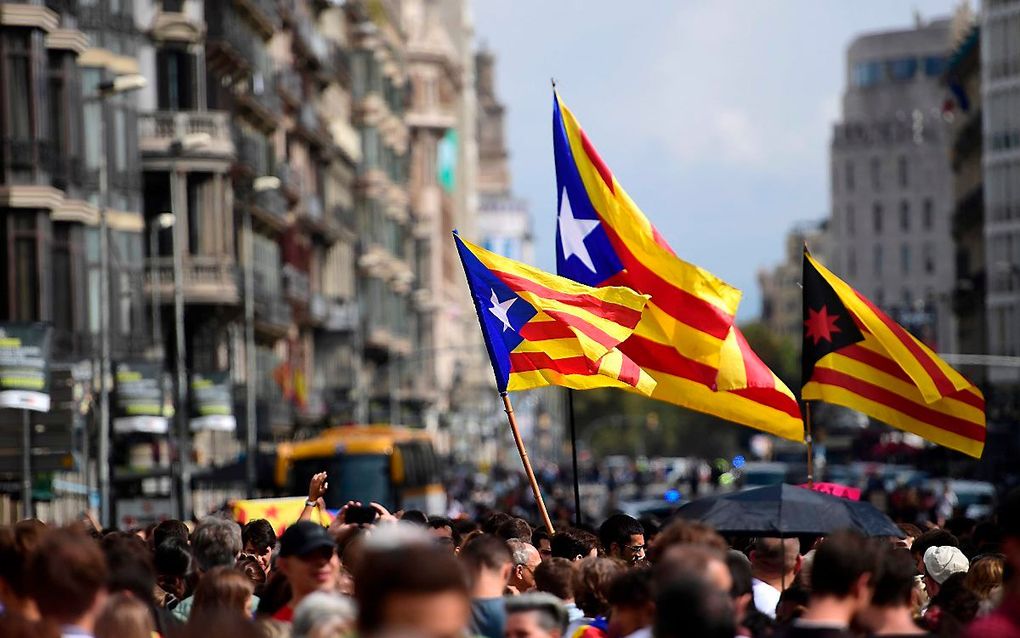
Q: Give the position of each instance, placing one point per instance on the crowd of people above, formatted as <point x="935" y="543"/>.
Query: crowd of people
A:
<point x="411" y="575"/>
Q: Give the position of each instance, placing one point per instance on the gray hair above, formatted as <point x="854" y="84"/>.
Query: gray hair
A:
<point x="549" y="611"/>
<point x="320" y="609"/>
<point x="520" y="552"/>
<point x="216" y="543"/>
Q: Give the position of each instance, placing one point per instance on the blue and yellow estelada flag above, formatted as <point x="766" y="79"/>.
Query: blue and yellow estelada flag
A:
<point x="541" y="329"/>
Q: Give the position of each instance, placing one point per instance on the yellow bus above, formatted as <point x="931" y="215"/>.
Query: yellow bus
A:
<point x="396" y="467"/>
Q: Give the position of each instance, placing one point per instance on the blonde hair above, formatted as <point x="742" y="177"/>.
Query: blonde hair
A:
<point x="124" y="616"/>
<point x="985" y="575"/>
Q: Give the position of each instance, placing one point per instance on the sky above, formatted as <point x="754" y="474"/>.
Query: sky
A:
<point x="714" y="115"/>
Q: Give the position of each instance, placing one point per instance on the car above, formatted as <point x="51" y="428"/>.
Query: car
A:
<point x="660" y="508"/>
<point x="761" y="474"/>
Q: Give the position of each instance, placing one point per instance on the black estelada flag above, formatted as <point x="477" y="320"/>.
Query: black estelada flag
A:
<point x="828" y="325"/>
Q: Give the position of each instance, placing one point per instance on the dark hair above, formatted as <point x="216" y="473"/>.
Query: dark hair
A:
<point x="840" y="561"/>
<point x="464" y="527"/>
<point x="689" y="606"/>
<point x="515" y="528"/>
<point x="170" y="528"/>
<point x="959" y="605"/>
<point x="275" y="594"/>
<point x="485" y="552"/>
<point x="221" y="588"/>
<point x="539" y="534"/>
<point x="399" y="571"/>
<point x="895" y="581"/>
<point x="65" y="575"/>
<point x="684" y="532"/>
<point x="591" y="583"/>
<point x="775" y="555"/>
<point x="933" y="538"/>
<point x="491" y="522"/>
<point x="439" y="522"/>
<point x="631" y="588"/>
<point x="555" y="576"/>
<point x="740" y="573"/>
<point x="913" y="531"/>
<point x="129" y="565"/>
<point x="17" y="543"/>
<point x="172" y="557"/>
<point x="258" y="533"/>
<point x="571" y="542"/>
<point x="618" y="529"/>
<point x="415" y="517"/>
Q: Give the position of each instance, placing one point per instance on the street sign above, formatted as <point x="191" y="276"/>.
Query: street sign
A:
<point x="139" y="395"/>
<point x="24" y="366"/>
<point x="212" y="403"/>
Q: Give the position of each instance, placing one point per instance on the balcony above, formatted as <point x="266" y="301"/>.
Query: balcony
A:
<point x="158" y="131"/>
<point x="272" y="312"/>
<point x="262" y="13"/>
<point x="288" y="85"/>
<point x="204" y="280"/>
<point x="270" y="207"/>
<point x="291" y="182"/>
<point x="296" y="285"/>
<point x="311" y="45"/>
<point x="311" y="126"/>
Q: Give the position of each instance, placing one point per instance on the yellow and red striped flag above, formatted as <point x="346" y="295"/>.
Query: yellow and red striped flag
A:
<point x="686" y="339"/>
<point x="540" y="329"/>
<point x="854" y="355"/>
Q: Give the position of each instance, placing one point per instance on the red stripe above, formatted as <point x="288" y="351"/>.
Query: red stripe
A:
<point x="600" y="336"/>
<point x="654" y="356"/>
<point x="676" y="302"/>
<point x="596" y="159"/>
<point x="758" y="374"/>
<point x="770" y="398"/>
<point x="872" y="392"/>
<point x="661" y="241"/>
<point x="942" y="383"/>
<point x="530" y="361"/>
<point x="542" y="330"/>
<point x="616" y="313"/>
<point x="890" y="367"/>
<point x="630" y="373"/>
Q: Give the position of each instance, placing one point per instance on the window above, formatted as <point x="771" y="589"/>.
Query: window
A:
<point x="902" y="166"/>
<point x="21" y="263"/>
<point x="876" y="217"/>
<point x="876" y="262"/>
<point x="926" y="214"/>
<point x="905" y="259"/>
<point x="851" y="223"/>
<point x="876" y="174"/>
<point x="904" y="215"/>
<point x="64" y="308"/>
<point x="93" y="113"/>
<point x="928" y="253"/>
<point x="849" y="174"/>
<point x="934" y="65"/>
<point x="19" y="84"/>
<point x="866" y="74"/>
<point x="902" y="70"/>
<point x="175" y="80"/>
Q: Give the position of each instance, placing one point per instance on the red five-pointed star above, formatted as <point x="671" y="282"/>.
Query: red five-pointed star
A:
<point x="821" y="325"/>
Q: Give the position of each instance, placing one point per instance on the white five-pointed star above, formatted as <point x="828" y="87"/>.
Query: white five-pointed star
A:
<point x="573" y="231"/>
<point x="500" y="308"/>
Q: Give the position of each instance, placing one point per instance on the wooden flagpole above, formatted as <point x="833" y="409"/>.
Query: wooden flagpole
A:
<point x="810" y="445"/>
<point x="509" y="409"/>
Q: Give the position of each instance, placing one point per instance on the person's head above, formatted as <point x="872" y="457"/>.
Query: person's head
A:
<point x="792" y="603"/>
<point x="939" y="564"/>
<point x="936" y="537"/>
<point x="395" y="593"/>
<point x="706" y="561"/>
<point x="170" y="528"/>
<point x="555" y="576"/>
<point x="251" y="567"/>
<point x="910" y="534"/>
<point x="129" y="565"/>
<point x="741" y="592"/>
<point x="688" y="606"/>
<point x="259" y="539"/>
<point x="222" y="589"/>
<point x="124" y="616"/>
<point x="843" y="569"/>
<point x="491" y="522"/>
<point x="308" y="559"/>
<point x="985" y="575"/>
<point x="543" y="543"/>
<point x="894" y="588"/>
<point x="415" y="517"/>
<point x="525" y="561"/>
<point x="216" y="542"/>
<point x="67" y="578"/>
<point x="489" y="563"/>
<point x="445" y="532"/>
<point x="574" y="544"/>
<point x="623" y="537"/>
<point x="776" y="560"/>
<point x="631" y="603"/>
<point x="172" y="560"/>
<point x="17" y="544"/>
<point x="591" y="584"/>
<point x="958" y="605"/>
<point x="684" y="532"/>
<point x="515" y="528"/>
<point x="535" y="615"/>
<point x="323" y="614"/>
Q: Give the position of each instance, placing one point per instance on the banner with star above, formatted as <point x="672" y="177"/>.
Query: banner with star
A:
<point x="686" y="339"/>
<point x="854" y="355"/>
<point x="540" y="329"/>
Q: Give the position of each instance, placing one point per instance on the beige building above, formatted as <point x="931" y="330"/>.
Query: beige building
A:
<point x="781" y="294"/>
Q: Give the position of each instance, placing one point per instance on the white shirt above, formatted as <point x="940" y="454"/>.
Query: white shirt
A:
<point x="766" y="597"/>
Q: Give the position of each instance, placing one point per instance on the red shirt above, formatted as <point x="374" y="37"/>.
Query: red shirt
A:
<point x="284" y="614"/>
<point x="1004" y="622"/>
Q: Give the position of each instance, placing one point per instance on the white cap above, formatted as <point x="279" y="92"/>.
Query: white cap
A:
<point x="943" y="562"/>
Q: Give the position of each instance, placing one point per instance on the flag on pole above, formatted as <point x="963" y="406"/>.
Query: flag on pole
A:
<point x="686" y="339"/>
<point x="540" y="329"/>
<point x="856" y="356"/>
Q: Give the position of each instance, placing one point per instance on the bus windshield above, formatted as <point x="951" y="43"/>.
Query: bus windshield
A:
<point x="361" y="477"/>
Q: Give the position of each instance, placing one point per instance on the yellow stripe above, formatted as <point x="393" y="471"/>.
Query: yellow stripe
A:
<point x="694" y="344"/>
<point x="555" y="348"/>
<point x="732" y="375"/>
<point x="646" y="384"/>
<point x="620" y="212"/>
<point x="613" y="329"/>
<point x="891" y="343"/>
<point x="895" y="418"/>
<point x="610" y="364"/>
<point x="540" y="378"/>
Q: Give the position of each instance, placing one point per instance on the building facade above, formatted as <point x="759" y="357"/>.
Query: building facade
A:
<point x="781" y="294"/>
<point x="891" y="193"/>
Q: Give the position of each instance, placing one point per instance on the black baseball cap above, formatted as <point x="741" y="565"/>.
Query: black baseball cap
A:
<point x="304" y="537"/>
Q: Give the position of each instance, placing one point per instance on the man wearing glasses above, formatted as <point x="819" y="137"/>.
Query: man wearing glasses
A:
<point x="623" y="538"/>
<point x="525" y="560"/>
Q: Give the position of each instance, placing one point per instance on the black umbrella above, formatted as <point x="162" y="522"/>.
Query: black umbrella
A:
<point x="787" y="510"/>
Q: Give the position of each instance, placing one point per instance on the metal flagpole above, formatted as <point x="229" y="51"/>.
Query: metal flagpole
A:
<point x="573" y="456"/>
<point x="509" y="409"/>
<point x="810" y="445"/>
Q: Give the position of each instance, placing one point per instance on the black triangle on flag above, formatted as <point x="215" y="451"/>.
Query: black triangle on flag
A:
<point x="828" y="325"/>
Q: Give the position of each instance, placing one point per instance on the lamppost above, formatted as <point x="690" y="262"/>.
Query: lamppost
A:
<point x="260" y="185"/>
<point x="119" y="85"/>
<point x="163" y="221"/>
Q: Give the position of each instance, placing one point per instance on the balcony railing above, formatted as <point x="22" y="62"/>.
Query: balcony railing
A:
<point x="296" y="284"/>
<point x="290" y="180"/>
<point x="158" y="131"/>
<point x="270" y="307"/>
<point x="204" y="279"/>
<point x="63" y="7"/>
<point x="288" y="84"/>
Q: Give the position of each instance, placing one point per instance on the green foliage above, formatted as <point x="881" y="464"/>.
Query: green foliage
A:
<point x="777" y="352"/>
